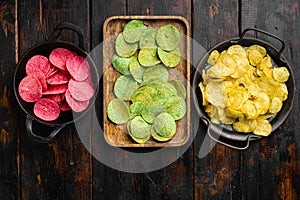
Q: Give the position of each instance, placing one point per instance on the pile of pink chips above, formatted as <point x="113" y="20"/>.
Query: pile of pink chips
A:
<point x="59" y="83"/>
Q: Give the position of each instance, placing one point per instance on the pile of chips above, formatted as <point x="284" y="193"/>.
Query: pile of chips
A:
<point x="146" y="99"/>
<point x="243" y="87"/>
<point x="60" y="83"/>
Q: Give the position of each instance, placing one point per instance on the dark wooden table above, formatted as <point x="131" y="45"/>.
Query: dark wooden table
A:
<point x="64" y="169"/>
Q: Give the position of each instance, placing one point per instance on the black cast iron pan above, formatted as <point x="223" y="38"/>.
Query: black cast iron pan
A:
<point x="66" y="117"/>
<point x="224" y="133"/>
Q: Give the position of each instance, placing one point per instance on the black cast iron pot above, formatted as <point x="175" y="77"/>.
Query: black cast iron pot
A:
<point x="224" y="134"/>
<point x="66" y="117"/>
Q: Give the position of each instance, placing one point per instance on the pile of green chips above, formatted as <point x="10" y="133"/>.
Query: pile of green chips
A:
<point x="146" y="99"/>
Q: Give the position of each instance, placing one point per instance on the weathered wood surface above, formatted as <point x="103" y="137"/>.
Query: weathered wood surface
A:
<point x="65" y="169"/>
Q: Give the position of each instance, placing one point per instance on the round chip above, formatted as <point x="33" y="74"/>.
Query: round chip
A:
<point x="238" y="50"/>
<point x="255" y="57"/>
<point x="167" y="37"/>
<point x="133" y="31"/>
<point x="148" y="56"/>
<point x="46" y="109"/>
<point x="157" y="72"/>
<point x="214" y="94"/>
<point x="151" y="111"/>
<point x="42" y="78"/>
<point x="125" y="49"/>
<point x="169" y="58"/>
<point x="58" y="78"/>
<point x="121" y="64"/>
<point x="81" y="91"/>
<point x="263" y="128"/>
<point x="176" y="107"/>
<point x="148" y="38"/>
<point x="276" y="105"/>
<point x="139" y="128"/>
<point x="258" y="48"/>
<point x="281" y="74"/>
<point x="136" y="70"/>
<point x="78" y="67"/>
<point x="213" y="57"/>
<point x="157" y="137"/>
<point x="76" y="106"/>
<point x="136" y="109"/>
<point x="117" y="111"/>
<point x="59" y="56"/>
<point x="37" y="63"/>
<point x="124" y="87"/>
<point x="30" y="89"/>
<point x="164" y="124"/>
<point x="138" y="140"/>
<point x="180" y="89"/>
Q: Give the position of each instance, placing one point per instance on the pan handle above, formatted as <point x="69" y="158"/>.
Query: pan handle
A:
<point x="38" y="138"/>
<point x="65" y="25"/>
<point x="266" y="33"/>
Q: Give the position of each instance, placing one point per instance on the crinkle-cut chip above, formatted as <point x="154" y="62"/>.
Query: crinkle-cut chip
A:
<point x="46" y="109"/>
<point x="124" y="87"/>
<point x="138" y="140"/>
<point x="37" y="63"/>
<point x="213" y="57"/>
<point x="167" y="37"/>
<point x="136" y="70"/>
<point x="148" y="38"/>
<point x="258" y="48"/>
<point x="76" y="106"/>
<point x="254" y="57"/>
<point x="125" y="49"/>
<point x="148" y="57"/>
<point x="281" y="92"/>
<point x="139" y="128"/>
<point x="276" y="105"/>
<point x="54" y="97"/>
<point x="219" y="70"/>
<point x="117" y="111"/>
<point x="263" y="128"/>
<point x="176" y="107"/>
<point x="202" y="89"/>
<point x="56" y="89"/>
<point x="42" y="78"/>
<point x="242" y="68"/>
<point x="78" y="67"/>
<point x="121" y="64"/>
<point x="234" y="113"/>
<point x="214" y="93"/>
<point x="59" y="56"/>
<point x="281" y="74"/>
<point x="64" y="106"/>
<point x="30" y="89"/>
<point x="133" y="31"/>
<point x="164" y="125"/>
<point x="58" y="78"/>
<point x="157" y="137"/>
<point x="158" y="72"/>
<point x="180" y="89"/>
<point x="237" y="97"/>
<point x="266" y="62"/>
<point x="81" y="91"/>
<point x="262" y="103"/>
<point x="169" y="58"/>
<point x="241" y="127"/>
<point x="136" y="109"/>
<point x="249" y="109"/>
<point x="237" y="50"/>
<point x="151" y="111"/>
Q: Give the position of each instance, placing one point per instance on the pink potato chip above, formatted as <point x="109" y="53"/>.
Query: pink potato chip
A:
<point x="78" y="67"/>
<point x="58" y="78"/>
<point x="54" y="97"/>
<point x="56" y="89"/>
<point x="76" y="106"/>
<point x="81" y="91"/>
<point x="51" y="71"/>
<point x="30" y="89"/>
<point x="37" y="63"/>
<point x="41" y="77"/>
<point x="46" y="109"/>
<point x="64" y="106"/>
<point x="59" y="56"/>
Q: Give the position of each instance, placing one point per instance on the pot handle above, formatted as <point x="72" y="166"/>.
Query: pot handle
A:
<point x="65" y="25"/>
<point x="266" y="33"/>
<point x="38" y="138"/>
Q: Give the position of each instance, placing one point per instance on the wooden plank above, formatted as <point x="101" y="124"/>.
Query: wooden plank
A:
<point x="61" y="169"/>
<point x="272" y="162"/>
<point x="216" y="176"/>
<point x="9" y="112"/>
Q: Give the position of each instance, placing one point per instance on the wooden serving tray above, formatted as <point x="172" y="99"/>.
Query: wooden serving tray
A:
<point x="116" y="135"/>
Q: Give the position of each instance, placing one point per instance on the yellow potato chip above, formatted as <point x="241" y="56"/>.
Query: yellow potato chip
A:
<point x="249" y="109"/>
<point x="242" y="66"/>
<point x="262" y="103"/>
<point x="241" y="127"/>
<point x="202" y="89"/>
<point x="263" y="128"/>
<point x="281" y="74"/>
<point x="212" y="59"/>
<point x="214" y="93"/>
<point x="237" y="50"/>
<point x="251" y="122"/>
<point x="258" y="48"/>
<point x="281" y="92"/>
<point x="228" y="61"/>
<point x="237" y="97"/>
<point x="255" y="57"/>
<point x="276" y="105"/>
<point x="266" y="62"/>
<point x="219" y="70"/>
<point x="234" y="113"/>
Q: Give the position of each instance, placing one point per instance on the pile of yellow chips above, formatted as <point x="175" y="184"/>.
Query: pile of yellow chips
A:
<point x="242" y="88"/>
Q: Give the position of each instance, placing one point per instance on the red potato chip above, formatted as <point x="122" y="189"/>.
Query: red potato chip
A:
<point x="51" y="71"/>
<point x="30" y="89"/>
<point x="58" y="78"/>
<point x="76" y="106"/>
<point x="81" y="91"/>
<point x="41" y="77"/>
<point x="64" y="106"/>
<point x="37" y="63"/>
<point x="56" y="89"/>
<point x="46" y="109"/>
<point x="59" y="56"/>
<point x="54" y="97"/>
<point x="78" y="67"/>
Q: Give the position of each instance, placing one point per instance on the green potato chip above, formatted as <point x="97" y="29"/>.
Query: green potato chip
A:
<point x="151" y="111"/>
<point x="169" y="58"/>
<point x="123" y="48"/>
<point x="180" y="89"/>
<point x="148" y="56"/>
<point x="141" y="96"/>
<point x="121" y="64"/>
<point x="164" y="125"/>
<point x="167" y="37"/>
<point x="157" y="137"/>
<point x="136" y="70"/>
<point x="124" y="87"/>
<point x="158" y="72"/>
<point x="164" y="93"/>
<point x="133" y="31"/>
<point x="139" y="128"/>
<point x="148" y="38"/>
<point x="117" y="111"/>
<point x="136" y="109"/>
<point x="138" y="140"/>
<point x="176" y="107"/>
